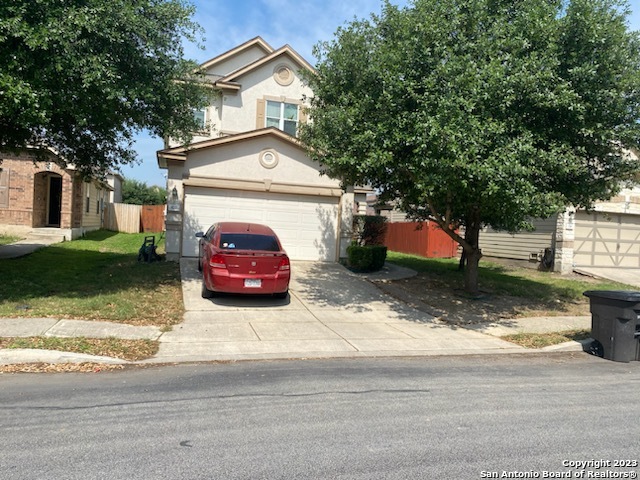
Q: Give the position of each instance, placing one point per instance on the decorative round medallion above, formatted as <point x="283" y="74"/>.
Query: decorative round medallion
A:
<point x="269" y="158"/>
<point x="283" y="75"/>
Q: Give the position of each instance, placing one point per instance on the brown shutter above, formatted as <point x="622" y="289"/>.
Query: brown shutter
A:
<point x="4" y="187"/>
<point x="260" y="119"/>
<point x="302" y="114"/>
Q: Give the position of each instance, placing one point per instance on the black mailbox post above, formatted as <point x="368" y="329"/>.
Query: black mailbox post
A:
<point x="615" y="323"/>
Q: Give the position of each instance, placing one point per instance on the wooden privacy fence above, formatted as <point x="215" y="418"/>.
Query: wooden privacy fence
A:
<point x="121" y="217"/>
<point x="429" y="241"/>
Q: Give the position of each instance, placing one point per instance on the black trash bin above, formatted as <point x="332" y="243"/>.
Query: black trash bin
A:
<point x="615" y="323"/>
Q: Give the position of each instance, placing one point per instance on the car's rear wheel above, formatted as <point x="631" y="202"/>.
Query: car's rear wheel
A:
<point x="206" y="293"/>
<point x="281" y="295"/>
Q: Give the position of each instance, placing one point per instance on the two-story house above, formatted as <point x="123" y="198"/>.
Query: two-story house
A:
<point x="247" y="165"/>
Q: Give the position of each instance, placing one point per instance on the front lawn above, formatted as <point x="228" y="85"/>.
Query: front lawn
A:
<point x="509" y="280"/>
<point x="508" y="291"/>
<point x="97" y="277"/>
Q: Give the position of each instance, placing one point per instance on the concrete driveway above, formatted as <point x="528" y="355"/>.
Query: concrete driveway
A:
<point x="330" y="312"/>
<point x="630" y="276"/>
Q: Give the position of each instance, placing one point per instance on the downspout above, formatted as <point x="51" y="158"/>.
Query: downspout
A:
<point x="338" y="229"/>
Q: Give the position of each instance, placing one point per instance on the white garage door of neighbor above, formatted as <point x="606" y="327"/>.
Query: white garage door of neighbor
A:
<point x="305" y="224"/>
<point x="607" y="240"/>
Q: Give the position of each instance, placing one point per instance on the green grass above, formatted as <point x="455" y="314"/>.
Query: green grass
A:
<point x="97" y="277"/>
<point x="500" y="279"/>
<point x="6" y="239"/>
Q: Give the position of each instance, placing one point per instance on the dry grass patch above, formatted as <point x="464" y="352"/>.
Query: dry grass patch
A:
<point x="508" y="291"/>
<point x="58" y="368"/>
<point x="130" y="350"/>
<point x="541" y="340"/>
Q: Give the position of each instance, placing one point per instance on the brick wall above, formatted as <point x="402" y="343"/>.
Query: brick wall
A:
<point x="28" y="190"/>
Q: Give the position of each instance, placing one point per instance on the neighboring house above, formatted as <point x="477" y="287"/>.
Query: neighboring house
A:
<point x="247" y="165"/>
<point x="608" y="236"/>
<point x="114" y="180"/>
<point x="42" y="194"/>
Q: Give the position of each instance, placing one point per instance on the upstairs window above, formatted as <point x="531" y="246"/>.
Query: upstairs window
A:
<point x="283" y="116"/>
<point x="200" y="116"/>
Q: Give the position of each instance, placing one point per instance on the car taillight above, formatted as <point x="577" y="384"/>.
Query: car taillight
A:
<point x="284" y="264"/>
<point x="217" y="261"/>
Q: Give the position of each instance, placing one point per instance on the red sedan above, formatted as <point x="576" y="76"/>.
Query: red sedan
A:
<point x="239" y="257"/>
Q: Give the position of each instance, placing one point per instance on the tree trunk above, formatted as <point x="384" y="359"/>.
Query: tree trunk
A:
<point x="471" y="272"/>
<point x="472" y="255"/>
<point x="463" y="261"/>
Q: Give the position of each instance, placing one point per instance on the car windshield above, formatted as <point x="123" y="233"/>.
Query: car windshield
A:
<point x="248" y="241"/>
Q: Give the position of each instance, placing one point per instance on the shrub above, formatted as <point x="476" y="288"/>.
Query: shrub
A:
<point x="366" y="258"/>
<point x="369" y="229"/>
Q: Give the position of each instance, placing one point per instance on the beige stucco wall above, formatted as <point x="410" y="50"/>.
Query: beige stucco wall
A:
<point x="239" y="112"/>
<point x="241" y="160"/>
<point x="236" y="112"/>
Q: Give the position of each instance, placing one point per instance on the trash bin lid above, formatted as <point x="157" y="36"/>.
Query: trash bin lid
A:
<point x="622" y="295"/>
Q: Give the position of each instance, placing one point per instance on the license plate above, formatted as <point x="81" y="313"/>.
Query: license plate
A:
<point x="252" y="283"/>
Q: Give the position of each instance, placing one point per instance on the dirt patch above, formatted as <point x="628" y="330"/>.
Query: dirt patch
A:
<point x="58" y="368"/>
<point x="453" y="306"/>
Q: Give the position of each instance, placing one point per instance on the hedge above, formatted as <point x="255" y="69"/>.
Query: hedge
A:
<point x="366" y="258"/>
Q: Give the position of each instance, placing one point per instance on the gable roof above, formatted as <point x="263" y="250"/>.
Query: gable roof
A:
<point x="180" y="153"/>
<point x="230" y="81"/>
<point x="257" y="41"/>
<point x="283" y="51"/>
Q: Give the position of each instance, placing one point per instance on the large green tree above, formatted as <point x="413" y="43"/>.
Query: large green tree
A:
<point x="136" y="192"/>
<point x="82" y="77"/>
<point x="480" y="112"/>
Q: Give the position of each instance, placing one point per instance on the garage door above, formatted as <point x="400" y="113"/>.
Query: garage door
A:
<point x="607" y="240"/>
<point x="305" y="224"/>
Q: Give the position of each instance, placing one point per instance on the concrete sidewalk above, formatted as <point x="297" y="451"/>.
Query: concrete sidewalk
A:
<point x="330" y="312"/>
<point x="27" y="246"/>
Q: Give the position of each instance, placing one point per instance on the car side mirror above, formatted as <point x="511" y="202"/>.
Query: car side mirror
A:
<point x="200" y="234"/>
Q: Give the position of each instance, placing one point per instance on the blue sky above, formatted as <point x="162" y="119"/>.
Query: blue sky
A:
<point x="228" y="23"/>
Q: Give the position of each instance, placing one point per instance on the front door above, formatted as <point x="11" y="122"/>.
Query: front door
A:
<point x="55" y="201"/>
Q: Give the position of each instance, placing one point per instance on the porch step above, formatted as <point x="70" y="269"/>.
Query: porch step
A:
<point x="53" y="235"/>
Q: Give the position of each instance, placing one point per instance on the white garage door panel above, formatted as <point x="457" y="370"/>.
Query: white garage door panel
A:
<point x="607" y="240"/>
<point x="306" y="225"/>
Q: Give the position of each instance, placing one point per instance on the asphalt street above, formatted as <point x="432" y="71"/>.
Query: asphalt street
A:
<point x="433" y="418"/>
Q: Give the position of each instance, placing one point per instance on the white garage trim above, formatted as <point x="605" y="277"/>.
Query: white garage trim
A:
<point x="261" y="186"/>
<point x="607" y="240"/>
<point x="306" y="225"/>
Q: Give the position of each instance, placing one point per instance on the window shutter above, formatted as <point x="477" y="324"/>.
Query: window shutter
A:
<point x="4" y="187"/>
<point x="260" y="119"/>
<point x="302" y="114"/>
